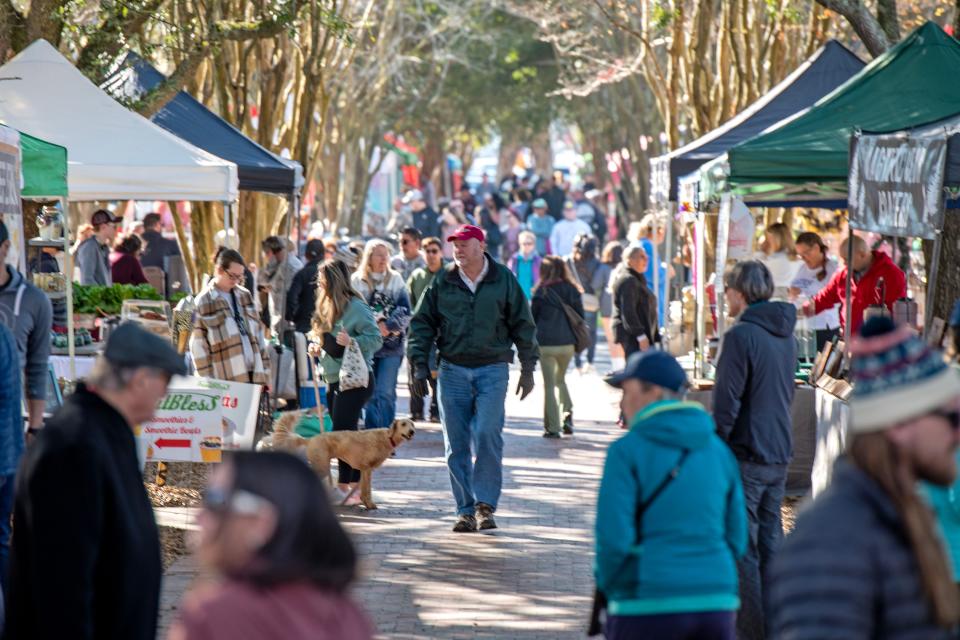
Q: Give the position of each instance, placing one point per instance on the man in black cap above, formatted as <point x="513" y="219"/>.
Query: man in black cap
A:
<point x="93" y="254"/>
<point x="85" y="557"/>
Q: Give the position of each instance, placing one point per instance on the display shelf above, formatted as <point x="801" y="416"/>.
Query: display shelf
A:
<point x="85" y="350"/>
<point x="40" y="242"/>
<point x="56" y="295"/>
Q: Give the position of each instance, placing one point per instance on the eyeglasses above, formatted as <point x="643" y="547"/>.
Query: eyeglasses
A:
<point x="953" y="417"/>
<point x="235" y="277"/>
<point x="432" y="250"/>
<point x="527" y="243"/>
<point x="239" y="502"/>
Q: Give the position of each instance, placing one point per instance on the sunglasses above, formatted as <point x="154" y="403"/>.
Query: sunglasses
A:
<point x="239" y="502"/>
<point x="433" y="250"/>
<point x="952" y="417"/>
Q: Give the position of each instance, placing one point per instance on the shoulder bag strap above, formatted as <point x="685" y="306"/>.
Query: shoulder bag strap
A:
<point x="673" y="473"/>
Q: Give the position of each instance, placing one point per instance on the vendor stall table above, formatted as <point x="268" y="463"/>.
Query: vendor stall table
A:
<point x="61" y="366"/>
<point x="833" y="418"/>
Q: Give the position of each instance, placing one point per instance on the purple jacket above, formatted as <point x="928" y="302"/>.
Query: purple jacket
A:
<point x="537" y="259"/>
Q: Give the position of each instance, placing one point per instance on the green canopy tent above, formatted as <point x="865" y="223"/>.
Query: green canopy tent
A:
<point x="803" y="161"/>
<point x="44" y="168"/>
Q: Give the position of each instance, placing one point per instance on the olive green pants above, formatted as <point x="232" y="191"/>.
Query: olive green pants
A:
<point x="556" y="399"/>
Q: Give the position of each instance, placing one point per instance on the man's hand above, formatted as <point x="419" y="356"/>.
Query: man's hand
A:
<point x="420" y="387"/>
<point x="525" y="386"/>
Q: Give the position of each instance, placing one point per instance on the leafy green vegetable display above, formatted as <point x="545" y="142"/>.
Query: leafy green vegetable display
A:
<point x="98" y="299"/>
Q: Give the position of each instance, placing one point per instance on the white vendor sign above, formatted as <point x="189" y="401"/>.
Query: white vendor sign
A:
<point x="197" y="419"/>
<point x="187" y="427"/>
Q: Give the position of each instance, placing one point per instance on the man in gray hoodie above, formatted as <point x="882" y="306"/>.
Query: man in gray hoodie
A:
<point x="26" y="311"/>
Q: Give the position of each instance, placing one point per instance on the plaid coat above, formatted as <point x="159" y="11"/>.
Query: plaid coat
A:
<point x="216" y="345"/>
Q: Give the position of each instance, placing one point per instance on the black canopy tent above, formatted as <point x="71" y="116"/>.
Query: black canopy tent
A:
<point x="828" y="68"/>
<point x="185" y="117"/>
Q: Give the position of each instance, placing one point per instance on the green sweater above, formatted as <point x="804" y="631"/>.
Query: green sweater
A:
<point x="418" y="283"/>
<point x="358" y="322"/>
<point x="474" y="329"/>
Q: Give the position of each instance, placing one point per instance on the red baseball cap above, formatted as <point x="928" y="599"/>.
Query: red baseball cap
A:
<point x="466" y="232"/>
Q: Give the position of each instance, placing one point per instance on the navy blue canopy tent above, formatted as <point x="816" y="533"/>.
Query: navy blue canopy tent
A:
<point x="185" y="117"/>
<point x="831" y="66"/>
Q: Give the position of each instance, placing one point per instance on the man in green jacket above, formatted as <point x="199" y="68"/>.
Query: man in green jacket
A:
<point x="476" y="312"/>
<point x="419" y="280"/>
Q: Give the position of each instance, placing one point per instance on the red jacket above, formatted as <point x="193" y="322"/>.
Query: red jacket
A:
<point x="863" y="293"/>
<point x="126" y="269"/>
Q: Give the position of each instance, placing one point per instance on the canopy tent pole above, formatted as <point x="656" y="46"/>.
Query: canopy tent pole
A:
<point x="667" y="251"/>
<point x="847" y="332"/>
<point x="932" y="284"/>
<point x="68" y="272"/>
<point x="701" y="328"/>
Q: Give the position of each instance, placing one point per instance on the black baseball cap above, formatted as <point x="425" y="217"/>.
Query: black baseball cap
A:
<point x="130" y="345"/>
<point x="102" y="216"/>
<point x="653" y="367"/>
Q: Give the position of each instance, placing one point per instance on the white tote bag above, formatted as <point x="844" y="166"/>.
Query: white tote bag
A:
<point x="353" y="368"/>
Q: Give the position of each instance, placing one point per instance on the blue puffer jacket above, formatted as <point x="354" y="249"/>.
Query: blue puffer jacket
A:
<point x="691" y="535"/>
<point x="847" y="570"/>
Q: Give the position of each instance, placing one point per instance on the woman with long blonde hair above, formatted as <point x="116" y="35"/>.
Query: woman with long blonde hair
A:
<point x="385" y="292"/>
<point x="779" y="254"/>
<point x="557" y="341"/>
<point x="341" y="317"/>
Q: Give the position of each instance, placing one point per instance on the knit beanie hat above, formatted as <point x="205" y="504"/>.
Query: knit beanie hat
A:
<point x="896" y="377"/>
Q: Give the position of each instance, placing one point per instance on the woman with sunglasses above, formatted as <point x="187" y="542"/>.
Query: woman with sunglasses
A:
<point x="285" y="562"/>
<point x="228" y="338"/>
<point x="815" y="271"/>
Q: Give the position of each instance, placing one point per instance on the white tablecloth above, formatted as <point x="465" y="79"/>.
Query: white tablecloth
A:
<point x="61" y="366"/>
<point x="833" y="418"/>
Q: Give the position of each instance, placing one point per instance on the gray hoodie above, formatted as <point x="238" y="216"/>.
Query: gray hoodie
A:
<point x="93" y="259"/>
<point x="26" y="311"/>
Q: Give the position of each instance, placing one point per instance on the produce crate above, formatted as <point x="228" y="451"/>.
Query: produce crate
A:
<point x="153" y="315"/>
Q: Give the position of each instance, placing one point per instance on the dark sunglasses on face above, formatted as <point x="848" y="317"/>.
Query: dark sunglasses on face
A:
<point x="433" y="250"/>
<point x="240" y="502"/>
<point x="952" y="417"/>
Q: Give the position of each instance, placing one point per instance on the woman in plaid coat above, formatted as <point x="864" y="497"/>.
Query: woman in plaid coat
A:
<point x="227" y="341"/>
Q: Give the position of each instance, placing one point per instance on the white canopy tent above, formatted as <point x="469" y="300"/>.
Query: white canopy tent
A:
<point x="113" y="153"/>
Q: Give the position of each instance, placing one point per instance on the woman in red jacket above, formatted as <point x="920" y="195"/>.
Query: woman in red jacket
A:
<point x="125" y="261"/>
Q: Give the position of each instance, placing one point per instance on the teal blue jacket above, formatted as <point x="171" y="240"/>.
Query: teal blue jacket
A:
<point x="691" y="535"/>
<point x="946" y="504"/>
<point x="359" y="324"/>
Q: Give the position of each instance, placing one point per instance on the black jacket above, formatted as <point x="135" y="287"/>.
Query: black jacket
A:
<point x="847" y="570"/>
<point x="85" y="556"/>
<point x="553" y="328"/>
<point x="427" y="222"/>
<point x="474" y="329"/>
<point x="302" y="297"/>
<point x="634" y="308"/>
<point x="754" y="389"/>
<point x="156" y="248"/>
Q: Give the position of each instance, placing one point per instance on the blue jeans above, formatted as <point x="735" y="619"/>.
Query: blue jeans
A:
<point x="6" y="510"/>
<point x="472" y="412"/>
<point x="590" y="317"/>
<point x="382" y="407"/>
<point x="697" y="625"/>
<point x="763" y="488"/>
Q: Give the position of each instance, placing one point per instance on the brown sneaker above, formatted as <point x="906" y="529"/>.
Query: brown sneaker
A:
<point x="465" y="524"/>
<point x="485" y="516"/>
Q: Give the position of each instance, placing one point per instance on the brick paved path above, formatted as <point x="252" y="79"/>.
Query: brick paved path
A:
<point x="531" y="578"/>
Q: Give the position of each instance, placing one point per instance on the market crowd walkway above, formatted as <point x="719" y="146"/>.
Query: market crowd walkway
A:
<point x="530" y="579"/>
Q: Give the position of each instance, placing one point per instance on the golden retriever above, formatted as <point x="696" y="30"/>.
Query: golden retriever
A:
<point x="363" y="450"/>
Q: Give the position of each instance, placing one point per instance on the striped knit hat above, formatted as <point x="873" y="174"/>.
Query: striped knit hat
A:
<point x="897" y="377"/>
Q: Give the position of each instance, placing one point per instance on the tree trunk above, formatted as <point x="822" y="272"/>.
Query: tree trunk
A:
<point x="542" y="152"/>
<point x="866" y="25"/>
<point x="509" y="149"/>
<point x="948" y="276"/>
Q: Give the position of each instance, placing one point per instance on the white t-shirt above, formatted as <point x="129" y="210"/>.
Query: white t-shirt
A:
<point x="563" y="234"/>
<point x="245" y="339"/>
<point x="806" y="281"/>
<point x="782" y="268"/>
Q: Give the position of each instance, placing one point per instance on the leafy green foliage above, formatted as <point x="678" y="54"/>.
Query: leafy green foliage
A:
<point x="109" y="300"/>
